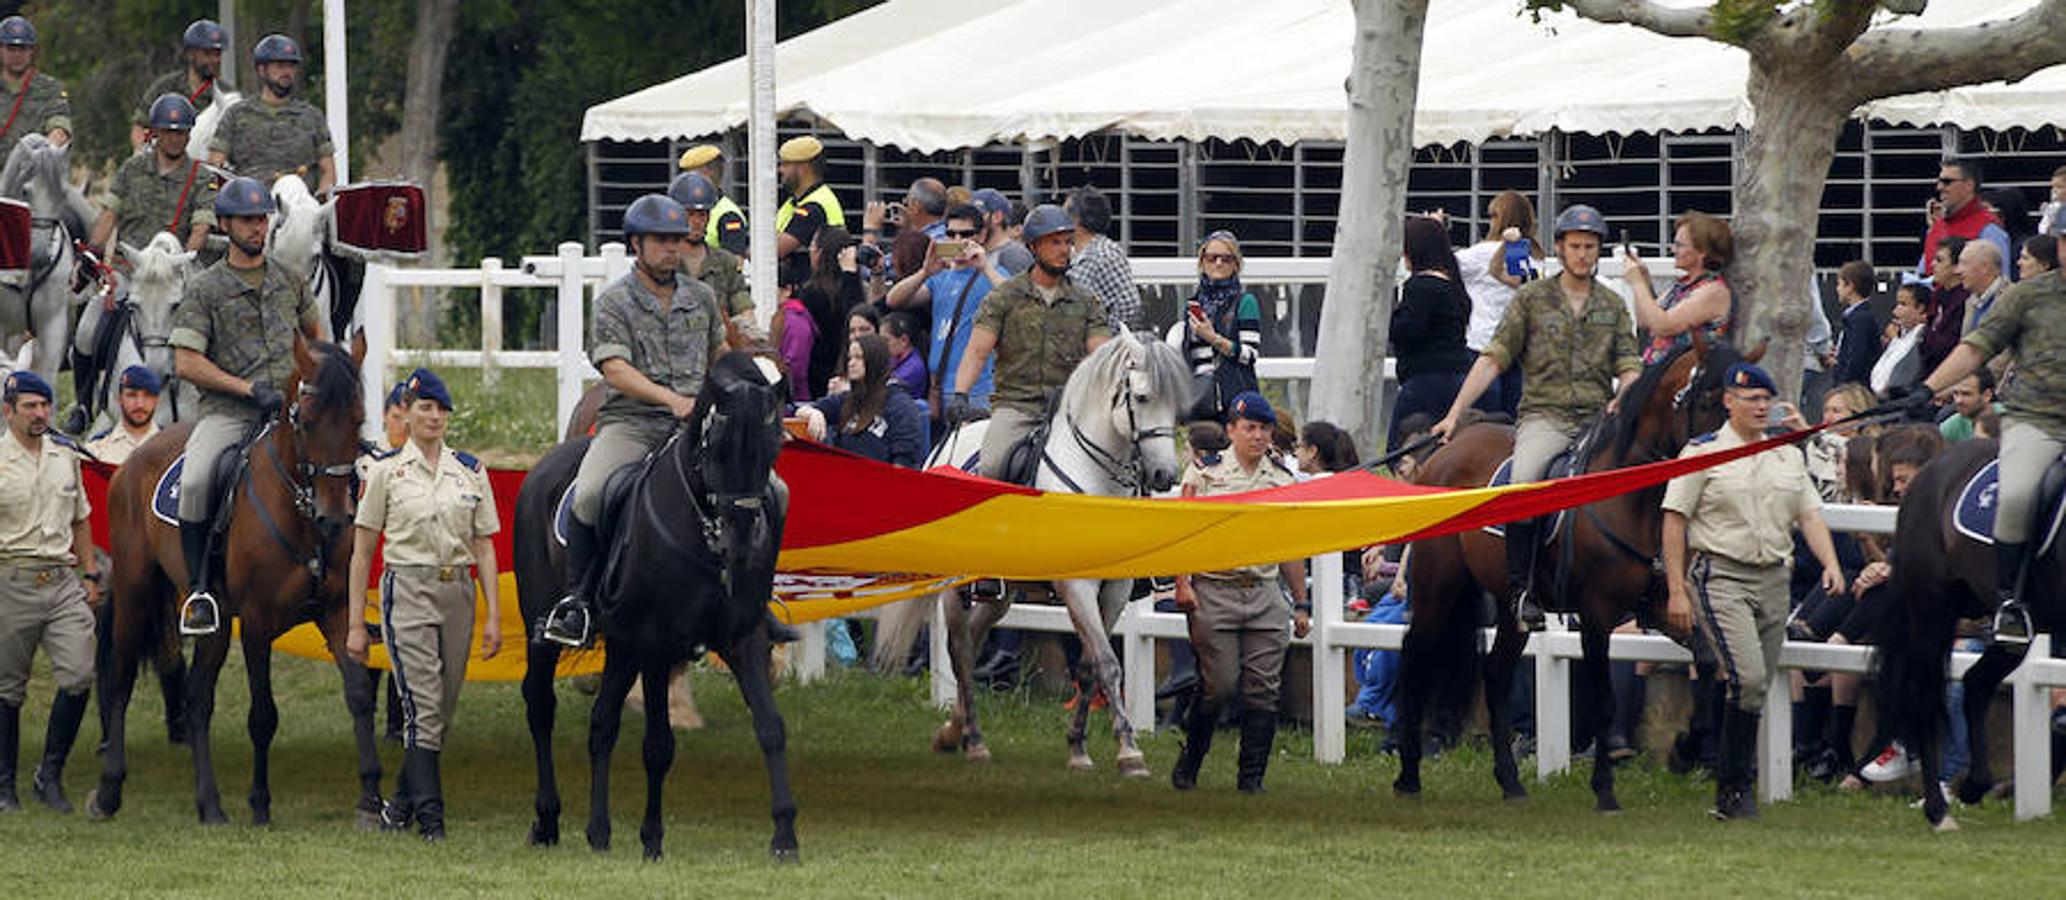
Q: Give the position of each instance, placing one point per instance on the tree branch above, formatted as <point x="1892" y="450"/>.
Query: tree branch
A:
<point x="1893" y="61"/>
<point x="1665" y="20"/>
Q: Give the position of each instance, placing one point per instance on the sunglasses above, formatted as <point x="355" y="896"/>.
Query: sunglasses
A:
<point x="1944" y="181"/>
<point x="962" y="232"/>
<point x="1219" y="258"/>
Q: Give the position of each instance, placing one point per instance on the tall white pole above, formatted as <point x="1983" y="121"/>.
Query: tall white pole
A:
<point x="760" y="155"/>
<point x="232" y="52"/>
<point x="335" y="94"/>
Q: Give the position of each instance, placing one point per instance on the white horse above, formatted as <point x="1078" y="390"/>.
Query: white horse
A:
<point x="206" y="122"/>
<point x="1114" y="434"/>
<point x="36" y="172"/>
<point x="299" y="235"/>
<point x="142" y="307"/>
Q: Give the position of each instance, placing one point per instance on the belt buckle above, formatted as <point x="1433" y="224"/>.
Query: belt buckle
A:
<point x="45" y="577"/>
<point x="448" y="573"/>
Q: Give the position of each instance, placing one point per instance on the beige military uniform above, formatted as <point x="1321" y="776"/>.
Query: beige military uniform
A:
<point x="430" y="513"/>
<point x="1242" y="624"/>
<point x="41" y="598"/>
<point x="1740" y="517"/>
<point x="114" y="445"/>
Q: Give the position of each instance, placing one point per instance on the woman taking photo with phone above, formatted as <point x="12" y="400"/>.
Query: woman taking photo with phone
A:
<point x="1223" y="332"/>
<point x="1698" y="301"/>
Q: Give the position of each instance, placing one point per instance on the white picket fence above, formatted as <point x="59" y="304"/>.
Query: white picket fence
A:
<point x="574" y="276"/>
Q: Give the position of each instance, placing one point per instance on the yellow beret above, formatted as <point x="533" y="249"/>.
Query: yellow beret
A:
<point x="700" y="155"/>
<point x="801" y="149"/>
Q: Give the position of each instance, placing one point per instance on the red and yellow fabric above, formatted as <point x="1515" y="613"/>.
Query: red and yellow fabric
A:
<point x="852" y="519"/>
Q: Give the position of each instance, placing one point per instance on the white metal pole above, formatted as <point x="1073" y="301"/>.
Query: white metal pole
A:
<point x="760" y="156"/>
<point x="572" y="345"/>
<point x="335" y="96"/>
<point x="376" y="309"/>
<point x="1330" y="662"/>
<point x="232" y="52"/>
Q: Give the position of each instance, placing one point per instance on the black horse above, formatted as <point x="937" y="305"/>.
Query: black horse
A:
<point x="689" y="565"/>
<point x="1941" y="576"/>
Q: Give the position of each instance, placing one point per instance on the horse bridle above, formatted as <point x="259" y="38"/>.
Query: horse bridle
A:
<point x="300" y="479"/>
<point x="1130" y="472"/>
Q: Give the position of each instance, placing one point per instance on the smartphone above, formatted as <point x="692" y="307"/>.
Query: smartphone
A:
<point x="948" y="249"/>
<point x="1197" y="309"/>
<point x="1626" y="247"/>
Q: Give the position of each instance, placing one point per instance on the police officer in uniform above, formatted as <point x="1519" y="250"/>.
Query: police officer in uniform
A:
<point x="202" y="48"/>
<point x="1240" y="625"/>
<point x="709" y="262"/>
<point x="1040" y="324"/>
<point x="809" y="206"/>
<point x="2029" y="321"/>
<point x="43" y="534"/>
<point x="727" y="226"/>
<point x="233" y="340"/>
<point x="278" y="133"/>
<point x="30" y="101"/>
<point x="437" y="512"/>
<point x="1737" y="521"/>
<point x="1572" y="337"/>
<point x="137" y="397"/>
<point x="654" y="336"/>
<point x="161" y="187"/>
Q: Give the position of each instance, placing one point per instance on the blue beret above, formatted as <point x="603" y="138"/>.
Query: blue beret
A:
<point x="1251" y="406"/>
<point x="26" y="382"/>
<point x="394" y="394"/>
<point x="426" y="385"/>
<point x="1748" y="377"/>
<point x="138" y="378"/>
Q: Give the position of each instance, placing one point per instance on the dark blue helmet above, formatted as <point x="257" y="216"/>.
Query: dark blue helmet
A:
<point x="693" y="191"/>
<point x="204" y="34"/>
<point x="243" y="196"/>
<point x="655" y="214"/>
<point x="1581" y="217"/>
<point x="1044" y="220"/>
<point x="424" y="384"/>
<point x="172" y="112"/>
<point x="275" y="48"/>
<point x="16" y="31"/>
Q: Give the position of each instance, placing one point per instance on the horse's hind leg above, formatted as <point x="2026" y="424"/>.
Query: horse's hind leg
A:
<point x="360" y="701"/>
<point x="1595" y="687"/>
<point x="263" y="720"/>
<point x="1499" y="682"/>
<point x="659" y="749"/>
<point x="959" y="731"/>
<point x="117" y="684"/>
<point x="748" y="660"/>
<point x="619" y="668"/>
<point x="1101" y="670"/>
<point x="1986" y="674"/>
<point x="541" y="706"/>
<point x="209" y="653"/>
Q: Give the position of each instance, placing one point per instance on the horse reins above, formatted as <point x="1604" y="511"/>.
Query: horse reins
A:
<point x="301" y="487"/>
<point x="1129" y="473"/>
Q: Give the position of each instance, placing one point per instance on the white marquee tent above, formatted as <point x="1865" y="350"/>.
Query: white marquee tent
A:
<point x="931" y="75"/>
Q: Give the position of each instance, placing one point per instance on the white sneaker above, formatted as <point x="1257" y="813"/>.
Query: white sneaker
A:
<point x="1950" y="797"/>
<point x="1893" y="764"/>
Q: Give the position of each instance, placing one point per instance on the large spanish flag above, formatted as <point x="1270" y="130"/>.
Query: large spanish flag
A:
<point x="862" y="533"/>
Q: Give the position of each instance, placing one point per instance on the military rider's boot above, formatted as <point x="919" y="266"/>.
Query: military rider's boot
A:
<point x="1197" y="740"/>
<point x="10" y="747"/>
<point x="570" y="620"/>
<point x="1520" y="574"/>
<point x="780" y="632"/>
<point x="48" y="784"/>
<point x="200" y="614"/>
<point x="2011" y="616"/>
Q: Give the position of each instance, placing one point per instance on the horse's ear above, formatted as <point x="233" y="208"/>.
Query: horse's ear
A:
<point x="128" y="252"/>
<point x="1758" y="352"/>
<point x="304" y="361"/>
<point x="358" y="347"/>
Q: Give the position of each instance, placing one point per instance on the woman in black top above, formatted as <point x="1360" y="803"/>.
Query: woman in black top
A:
<point x="1428" y="326"/>
<point x="833" y="288"/>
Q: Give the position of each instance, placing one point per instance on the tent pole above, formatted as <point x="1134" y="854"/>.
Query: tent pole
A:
<point x="335" y="104"/>
<point x="760" y="129"/>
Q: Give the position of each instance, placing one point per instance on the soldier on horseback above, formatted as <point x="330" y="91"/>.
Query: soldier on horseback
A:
<point x="162" y="187"/>
<point x="654" y="337"/>
<point x="1571" y="336"/>
<point x="233" y="339"/>
<point x="201" y="47"/>
<point x="2029" y="321"/>
<point x="36" y="103"/>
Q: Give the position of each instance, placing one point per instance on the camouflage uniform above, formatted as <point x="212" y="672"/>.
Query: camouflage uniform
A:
<point x="725" y="274"/>
<point x="1039" y="343"/>
<point x="2030" y="321"/>
<point x="174" y="82"/>
<point x="247" y="332"/>
<point x="671" y="346"/>
<point x="144" y="199"/>
<point x="266" y="141"/>
<point x="46" y="108"/>
<point x="1568" y="361"/>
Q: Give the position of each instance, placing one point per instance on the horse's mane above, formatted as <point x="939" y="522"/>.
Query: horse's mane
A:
<point x="1168" y="374"/>
<point x="297" y="232"/>
<point x="731" y="370"/>
<point x="1619" y="430"/>
<point x="31" y="158"/>
<point x="160" y="261"/>
<point x="336" y="382"/>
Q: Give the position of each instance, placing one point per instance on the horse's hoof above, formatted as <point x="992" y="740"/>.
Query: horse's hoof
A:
<point x="93" y="811"/>
<point x="541" y="835"/>
<point x="976" y="753"/>
<point x="1514" y="796"/>
<point x="1945" y="825"/>
<point x="788" y="856"/>
<point x="652" y="853"/>
<point x="261" y="818"/>
<point x="1133" y="765"/>
<point x="947" y="739"/>
<point x="1404" y="789"/>
<point x="366" y="820"/>
<point x="1080" y="762"/>
<point x="1608" y="807"/>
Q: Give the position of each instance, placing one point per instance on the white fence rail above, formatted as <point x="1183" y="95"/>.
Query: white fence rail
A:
<point x="574" y="276"/>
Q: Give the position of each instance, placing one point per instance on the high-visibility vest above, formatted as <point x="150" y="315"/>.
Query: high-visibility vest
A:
<point x="821" y="195"/>
<point x="725" y="207"/>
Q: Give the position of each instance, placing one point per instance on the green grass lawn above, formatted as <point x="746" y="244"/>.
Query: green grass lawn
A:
<point x="881" y="815"/>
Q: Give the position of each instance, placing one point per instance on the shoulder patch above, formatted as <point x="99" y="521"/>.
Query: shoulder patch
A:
<point x="61" y="440"/>
<point x="470" y="461"/>
<point x="103" y="433"/>
<point x="1705" y="438"/>
<point x="385" y="454"/>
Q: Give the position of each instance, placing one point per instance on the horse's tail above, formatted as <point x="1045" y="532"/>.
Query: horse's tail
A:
<point x="1909" y="667"/>
<point x="896" y="626"/>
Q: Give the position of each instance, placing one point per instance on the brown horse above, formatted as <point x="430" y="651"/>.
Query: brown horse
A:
<point x="1614" y="543"/>
<point x="285" y="553"/>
